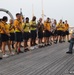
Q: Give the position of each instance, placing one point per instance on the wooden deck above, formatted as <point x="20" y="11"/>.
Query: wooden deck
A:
<point x="51" y="60"/>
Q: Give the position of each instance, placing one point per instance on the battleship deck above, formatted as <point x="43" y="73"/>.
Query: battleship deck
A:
<point x="50" y="60"/>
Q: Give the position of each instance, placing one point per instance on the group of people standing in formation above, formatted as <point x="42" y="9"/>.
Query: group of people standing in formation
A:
<point x="39" y="34"/>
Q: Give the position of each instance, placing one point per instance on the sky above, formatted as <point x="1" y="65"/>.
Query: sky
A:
<point x="55" y="9"/>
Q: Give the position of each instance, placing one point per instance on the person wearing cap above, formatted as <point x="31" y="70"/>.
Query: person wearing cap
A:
<point x="71" y="44"/>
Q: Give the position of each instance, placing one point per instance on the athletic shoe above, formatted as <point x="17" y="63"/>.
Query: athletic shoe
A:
<point x="69" y="41"/>
<point x="45" y="45"/>
<point x="49" y="44"/>
<point x="12" y="46"/>
<point x="40" y="46"/>
<point x="0" y="58"/>
<point x="20" y="51"/>
<point x="55" y="42"/>
<point x="60" y="41"/>
<point x="5" y="56"/>
<point x="0" y="51"/>
<point x="32" y="47"/>
<point x="21" y="46"/>
<point x="63" y="41"/>
<point x="36" y="47"/>
<point x="12" y="53"/>
<point x="28" y="49"/>
<point x="36" y="44"/>
<point x="25" y="50"/>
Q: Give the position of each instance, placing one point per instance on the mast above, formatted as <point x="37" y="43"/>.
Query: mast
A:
<point x="22" y="18"/>
<point x="32" y="10"/>
<point x="42" y="11"/>
<point x="21" y="11"/>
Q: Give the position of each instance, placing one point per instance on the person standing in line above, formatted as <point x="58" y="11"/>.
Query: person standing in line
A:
<point x="60" y="28"/>
<point x="47" y="28"/>
<point x="67" y="30"/>
<point x="0" y="39"/>
<point x="40" y="32"/>
<point x="33" y="27"/>
<point x="54" y="32"/>
<point x="0" y="36"/>
<point x="5" y="36"/>
<point x="64" y="33"/>
<point x="11" y="30"/>
<point x="18" y="33"/>
<point x="26" y="34"/>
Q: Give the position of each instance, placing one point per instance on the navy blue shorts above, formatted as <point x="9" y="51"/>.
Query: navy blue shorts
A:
<point x="55" y="33"/>
<point x="12" y="37"/>
<point x="18" y="37"/>
<point x="40" y="35"/>
<point x="51" y="33"/>
<point x="33" y="34"/>
<point x="26" y="36"/>
<point x="47" y="33"/>
<point x="67" y="32"/>
<point x="59" y="32"/>
<point x="0" y="38"/>
<point x="4" y="38"/>
<point x="64" y="33"/>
